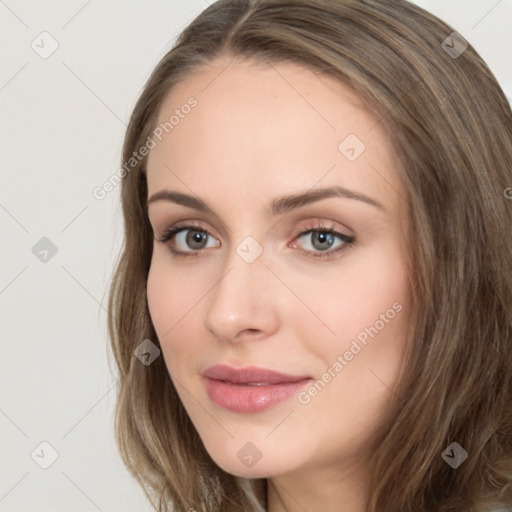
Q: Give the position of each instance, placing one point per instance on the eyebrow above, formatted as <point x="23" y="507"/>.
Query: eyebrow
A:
<point x="278" y="206"/>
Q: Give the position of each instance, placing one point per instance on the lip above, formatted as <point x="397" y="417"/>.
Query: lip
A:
<point x="250" y="389"/>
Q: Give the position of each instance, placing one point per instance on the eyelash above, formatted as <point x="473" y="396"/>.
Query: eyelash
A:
<point x="169" y="235"/>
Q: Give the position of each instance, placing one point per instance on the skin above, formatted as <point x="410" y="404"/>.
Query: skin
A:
<point x="261" y="132"/>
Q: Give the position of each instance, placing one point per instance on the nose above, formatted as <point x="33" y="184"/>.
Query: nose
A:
<point x="244" y="304"/>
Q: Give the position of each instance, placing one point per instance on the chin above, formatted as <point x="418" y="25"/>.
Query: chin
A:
<point x="245" y="462"/>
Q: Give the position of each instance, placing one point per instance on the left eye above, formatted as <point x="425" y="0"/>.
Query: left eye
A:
<point x="323" y="240"/>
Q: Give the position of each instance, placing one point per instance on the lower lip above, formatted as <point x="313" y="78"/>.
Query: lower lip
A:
<point x="244" y="398"/>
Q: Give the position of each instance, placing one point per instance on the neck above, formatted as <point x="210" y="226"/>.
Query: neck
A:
<point x="327" y="489"/>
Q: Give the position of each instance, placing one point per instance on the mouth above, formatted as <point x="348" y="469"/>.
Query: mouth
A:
<point x="251" y="389"/>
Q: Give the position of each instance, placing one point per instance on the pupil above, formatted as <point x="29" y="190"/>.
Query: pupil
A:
<point x="196" y="237"/>
<point x="323" y="237"/>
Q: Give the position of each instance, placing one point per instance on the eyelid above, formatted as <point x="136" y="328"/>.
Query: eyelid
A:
<point x="184" y="224"/>
<point x="321" y="223"/>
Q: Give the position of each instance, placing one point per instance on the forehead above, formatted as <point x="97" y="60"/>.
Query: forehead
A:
<point x="268" y="127"/>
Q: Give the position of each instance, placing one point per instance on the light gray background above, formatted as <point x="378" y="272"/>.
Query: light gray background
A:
<point x="61" y="129"/>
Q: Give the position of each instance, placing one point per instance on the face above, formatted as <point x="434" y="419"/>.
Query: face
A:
<point x="286" y="265"/>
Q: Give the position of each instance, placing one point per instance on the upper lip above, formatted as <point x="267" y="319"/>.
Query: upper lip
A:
<point x="249" y="374"/>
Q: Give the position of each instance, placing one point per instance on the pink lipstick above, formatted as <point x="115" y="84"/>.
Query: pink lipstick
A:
<point x="250" y="389"/>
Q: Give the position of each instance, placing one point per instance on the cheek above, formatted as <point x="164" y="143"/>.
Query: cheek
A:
<point x="353" y="296"/>
<point x="160" y="300"/>
<point x="171" y="297"/>
<point x="368" y="307"/>
<point x="372" y="334"/>
<point x="174" y="302"/>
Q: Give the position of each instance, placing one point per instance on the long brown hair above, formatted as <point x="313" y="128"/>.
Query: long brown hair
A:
<point x="451" y="127"/>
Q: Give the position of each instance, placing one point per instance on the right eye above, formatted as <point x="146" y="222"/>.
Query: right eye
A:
<point x="185" y="241"/>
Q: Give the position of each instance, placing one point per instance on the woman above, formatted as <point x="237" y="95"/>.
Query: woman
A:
<point x="313" y="306"/>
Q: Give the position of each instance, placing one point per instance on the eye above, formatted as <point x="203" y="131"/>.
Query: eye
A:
<point x="323" y="241"/>
<point x="318" y="241"/>
<point x="187" y="240"/>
